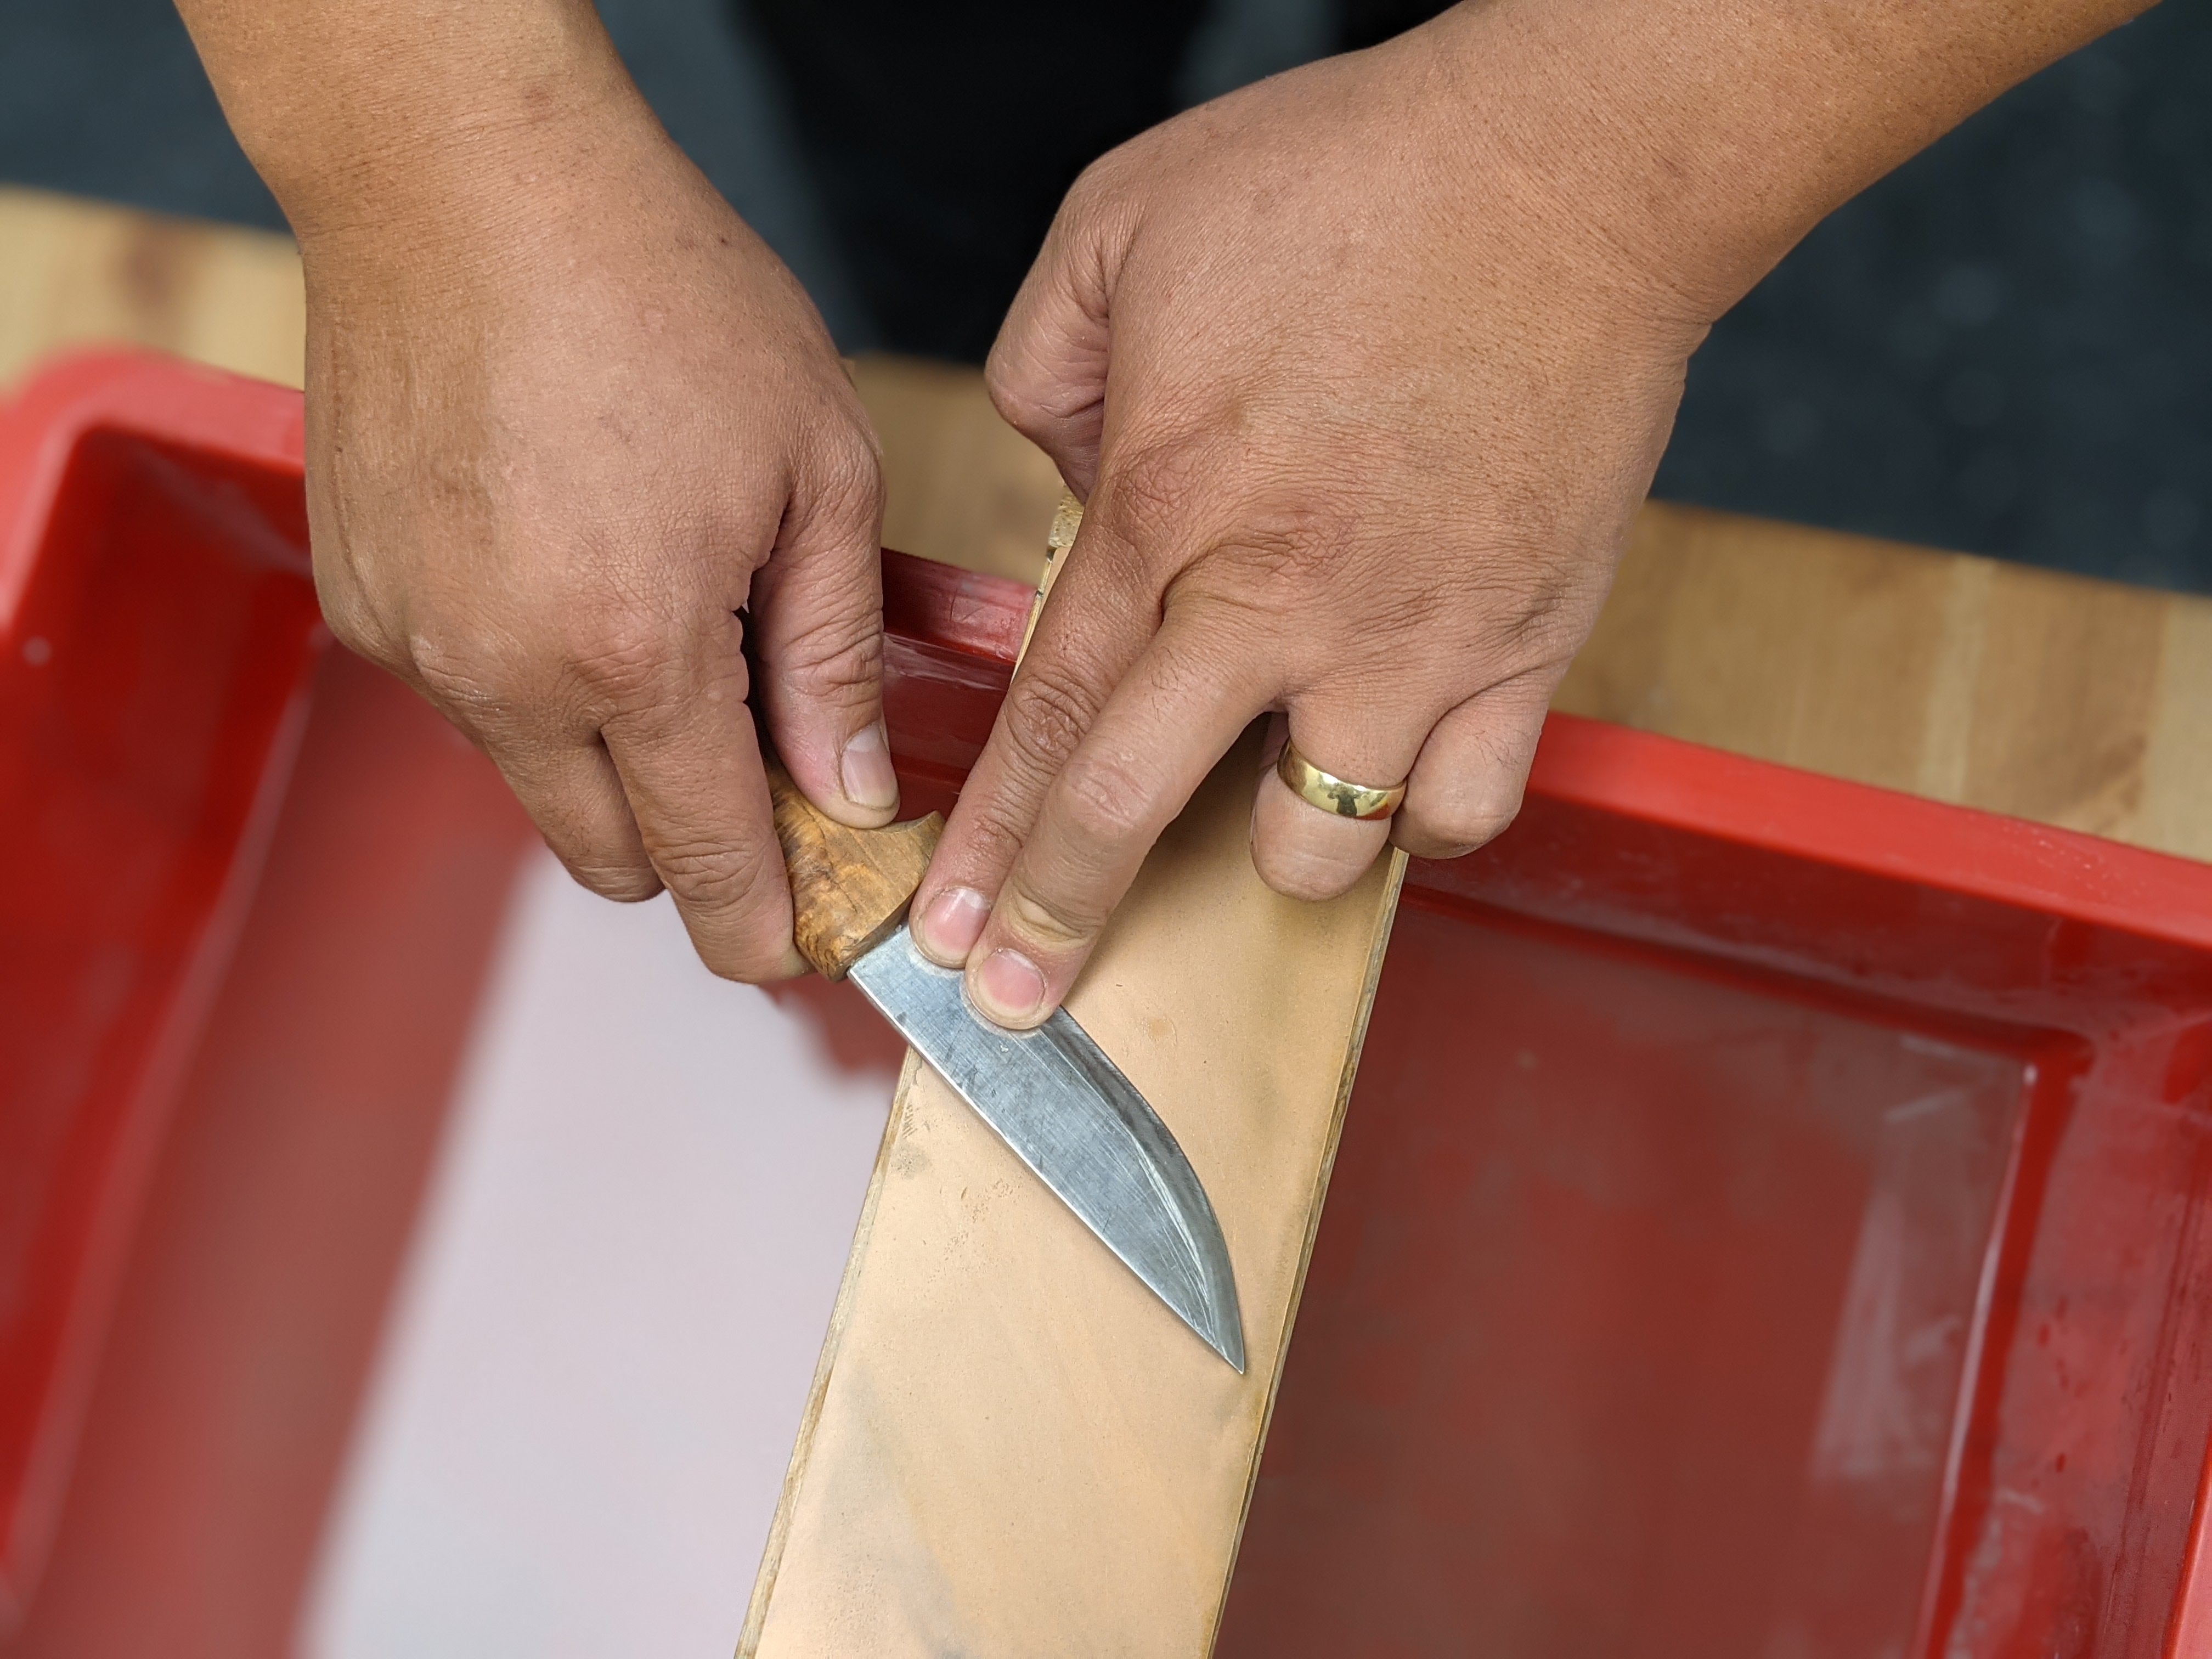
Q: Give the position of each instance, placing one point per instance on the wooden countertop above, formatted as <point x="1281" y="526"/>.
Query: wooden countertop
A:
<point x="2075" y="702"/>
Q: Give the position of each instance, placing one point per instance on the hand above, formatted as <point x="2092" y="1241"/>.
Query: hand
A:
<point x="1363" y="368"/>
<point x="1362" y="371"/>
<point x="1361" y="409"/>
<point x="559" y="436"/>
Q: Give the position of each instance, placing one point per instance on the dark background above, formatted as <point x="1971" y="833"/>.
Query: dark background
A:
<point x="2005" y="347"/>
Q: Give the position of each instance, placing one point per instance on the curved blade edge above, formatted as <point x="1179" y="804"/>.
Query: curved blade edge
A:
<point x="1065" y="1109"/>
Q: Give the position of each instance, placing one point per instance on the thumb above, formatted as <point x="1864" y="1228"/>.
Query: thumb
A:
<point x="818" y="608"/>
<point x="1046" y="371"/>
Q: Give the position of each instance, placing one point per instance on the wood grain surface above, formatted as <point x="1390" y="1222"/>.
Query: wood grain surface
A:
<point x="1013" y="1447"/>
<point x="2071" y="701"/>
<point x="850" y="888"/>
<point x="73" y="273"/>
<point x="2082" y="703"/>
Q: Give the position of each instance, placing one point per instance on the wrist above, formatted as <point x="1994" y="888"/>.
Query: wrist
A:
<point x="438" y="132"/>
<point x="1696" y="141"/>
<point x="1598" y="127"/>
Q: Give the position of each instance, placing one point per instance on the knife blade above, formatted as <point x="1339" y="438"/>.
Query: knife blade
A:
<point x="1051" y="1094"/>
<point x="1068" y="1113"/>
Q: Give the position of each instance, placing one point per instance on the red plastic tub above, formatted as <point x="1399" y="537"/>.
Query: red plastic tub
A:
<point x="157" y="625"/>
<point x="247" y="892"/>
<point x="1769" y="1221"/>
<point x="1774" y="1219"/>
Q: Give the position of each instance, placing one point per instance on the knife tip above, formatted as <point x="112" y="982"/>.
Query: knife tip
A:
<point x="1230" y="1345"/>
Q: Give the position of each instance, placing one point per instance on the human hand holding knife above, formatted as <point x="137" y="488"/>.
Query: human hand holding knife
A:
<point x="1051" y="1094"/>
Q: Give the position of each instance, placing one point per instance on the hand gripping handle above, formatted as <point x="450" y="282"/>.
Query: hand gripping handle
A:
<point x="850" y="888"/>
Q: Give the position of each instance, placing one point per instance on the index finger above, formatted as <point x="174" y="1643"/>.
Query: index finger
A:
<point x="1097" y="625"/>
<point x="1173" y="716"/>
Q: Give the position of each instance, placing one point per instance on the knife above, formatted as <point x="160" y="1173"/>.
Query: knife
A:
<point x="1051" y="1094"/>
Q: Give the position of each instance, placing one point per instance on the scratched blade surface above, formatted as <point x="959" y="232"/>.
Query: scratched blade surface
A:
<point x="1069" y="1114"/>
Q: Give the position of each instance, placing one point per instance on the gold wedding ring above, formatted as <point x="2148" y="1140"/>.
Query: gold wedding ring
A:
<point x="1332" y="793"/>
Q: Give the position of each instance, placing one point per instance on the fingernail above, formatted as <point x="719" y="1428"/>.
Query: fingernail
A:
<point x="866" y="770"/>
<point x="951" y="925"/>
<point x="1008" y="988"/>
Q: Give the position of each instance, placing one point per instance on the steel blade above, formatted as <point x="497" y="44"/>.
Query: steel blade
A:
<point x="1068" y="1113"/>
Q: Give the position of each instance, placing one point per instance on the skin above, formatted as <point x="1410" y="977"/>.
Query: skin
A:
<point x="567" y="416"/>
<point x="1361" y="371"/>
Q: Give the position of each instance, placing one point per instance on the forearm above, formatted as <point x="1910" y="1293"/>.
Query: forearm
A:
<point x="410" y="117"/>
<point x="1719" y="131"/>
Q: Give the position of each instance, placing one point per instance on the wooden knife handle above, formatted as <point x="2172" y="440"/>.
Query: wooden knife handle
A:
<point x="850" y="888"/>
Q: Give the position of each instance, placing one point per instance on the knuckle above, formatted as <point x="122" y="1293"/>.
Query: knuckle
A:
<point x="1029" y="386"/>
<point x="1280" y="552"/>
<point x="1518" y="604"/>
<point x="453" y="678"/>
<point x="1039" y="918"/>
<point x="1145" y="499"/>
<point x="718" y="878"/>
<point x="1092" y="188"/>
<point x="1092" y="205"/>
<point x="624" y="882"/>
<point x="1471" y="829"/>
<point x="993" y="842"/>
<point x="1018" y="391"/>
<point x="850" y="476"/>
<point x="1293" y="542"/>
<point x="1406" y="609"/>
<point x="1048" y="710"/>
<point x="1040" y="411"/>
<point x="619" y="661"/>
<point x="833" y="656"/>
<point x="1532" y="622"/>
<point x="1103" y="805"/>
<point x="743" y="966"/>
<point x="354" y="624"/>
<point x="1109" y="194"/>
<point x="1458" y="824"/>
<point x="1297" y="868"/>
<point x="1456" y="838"/>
